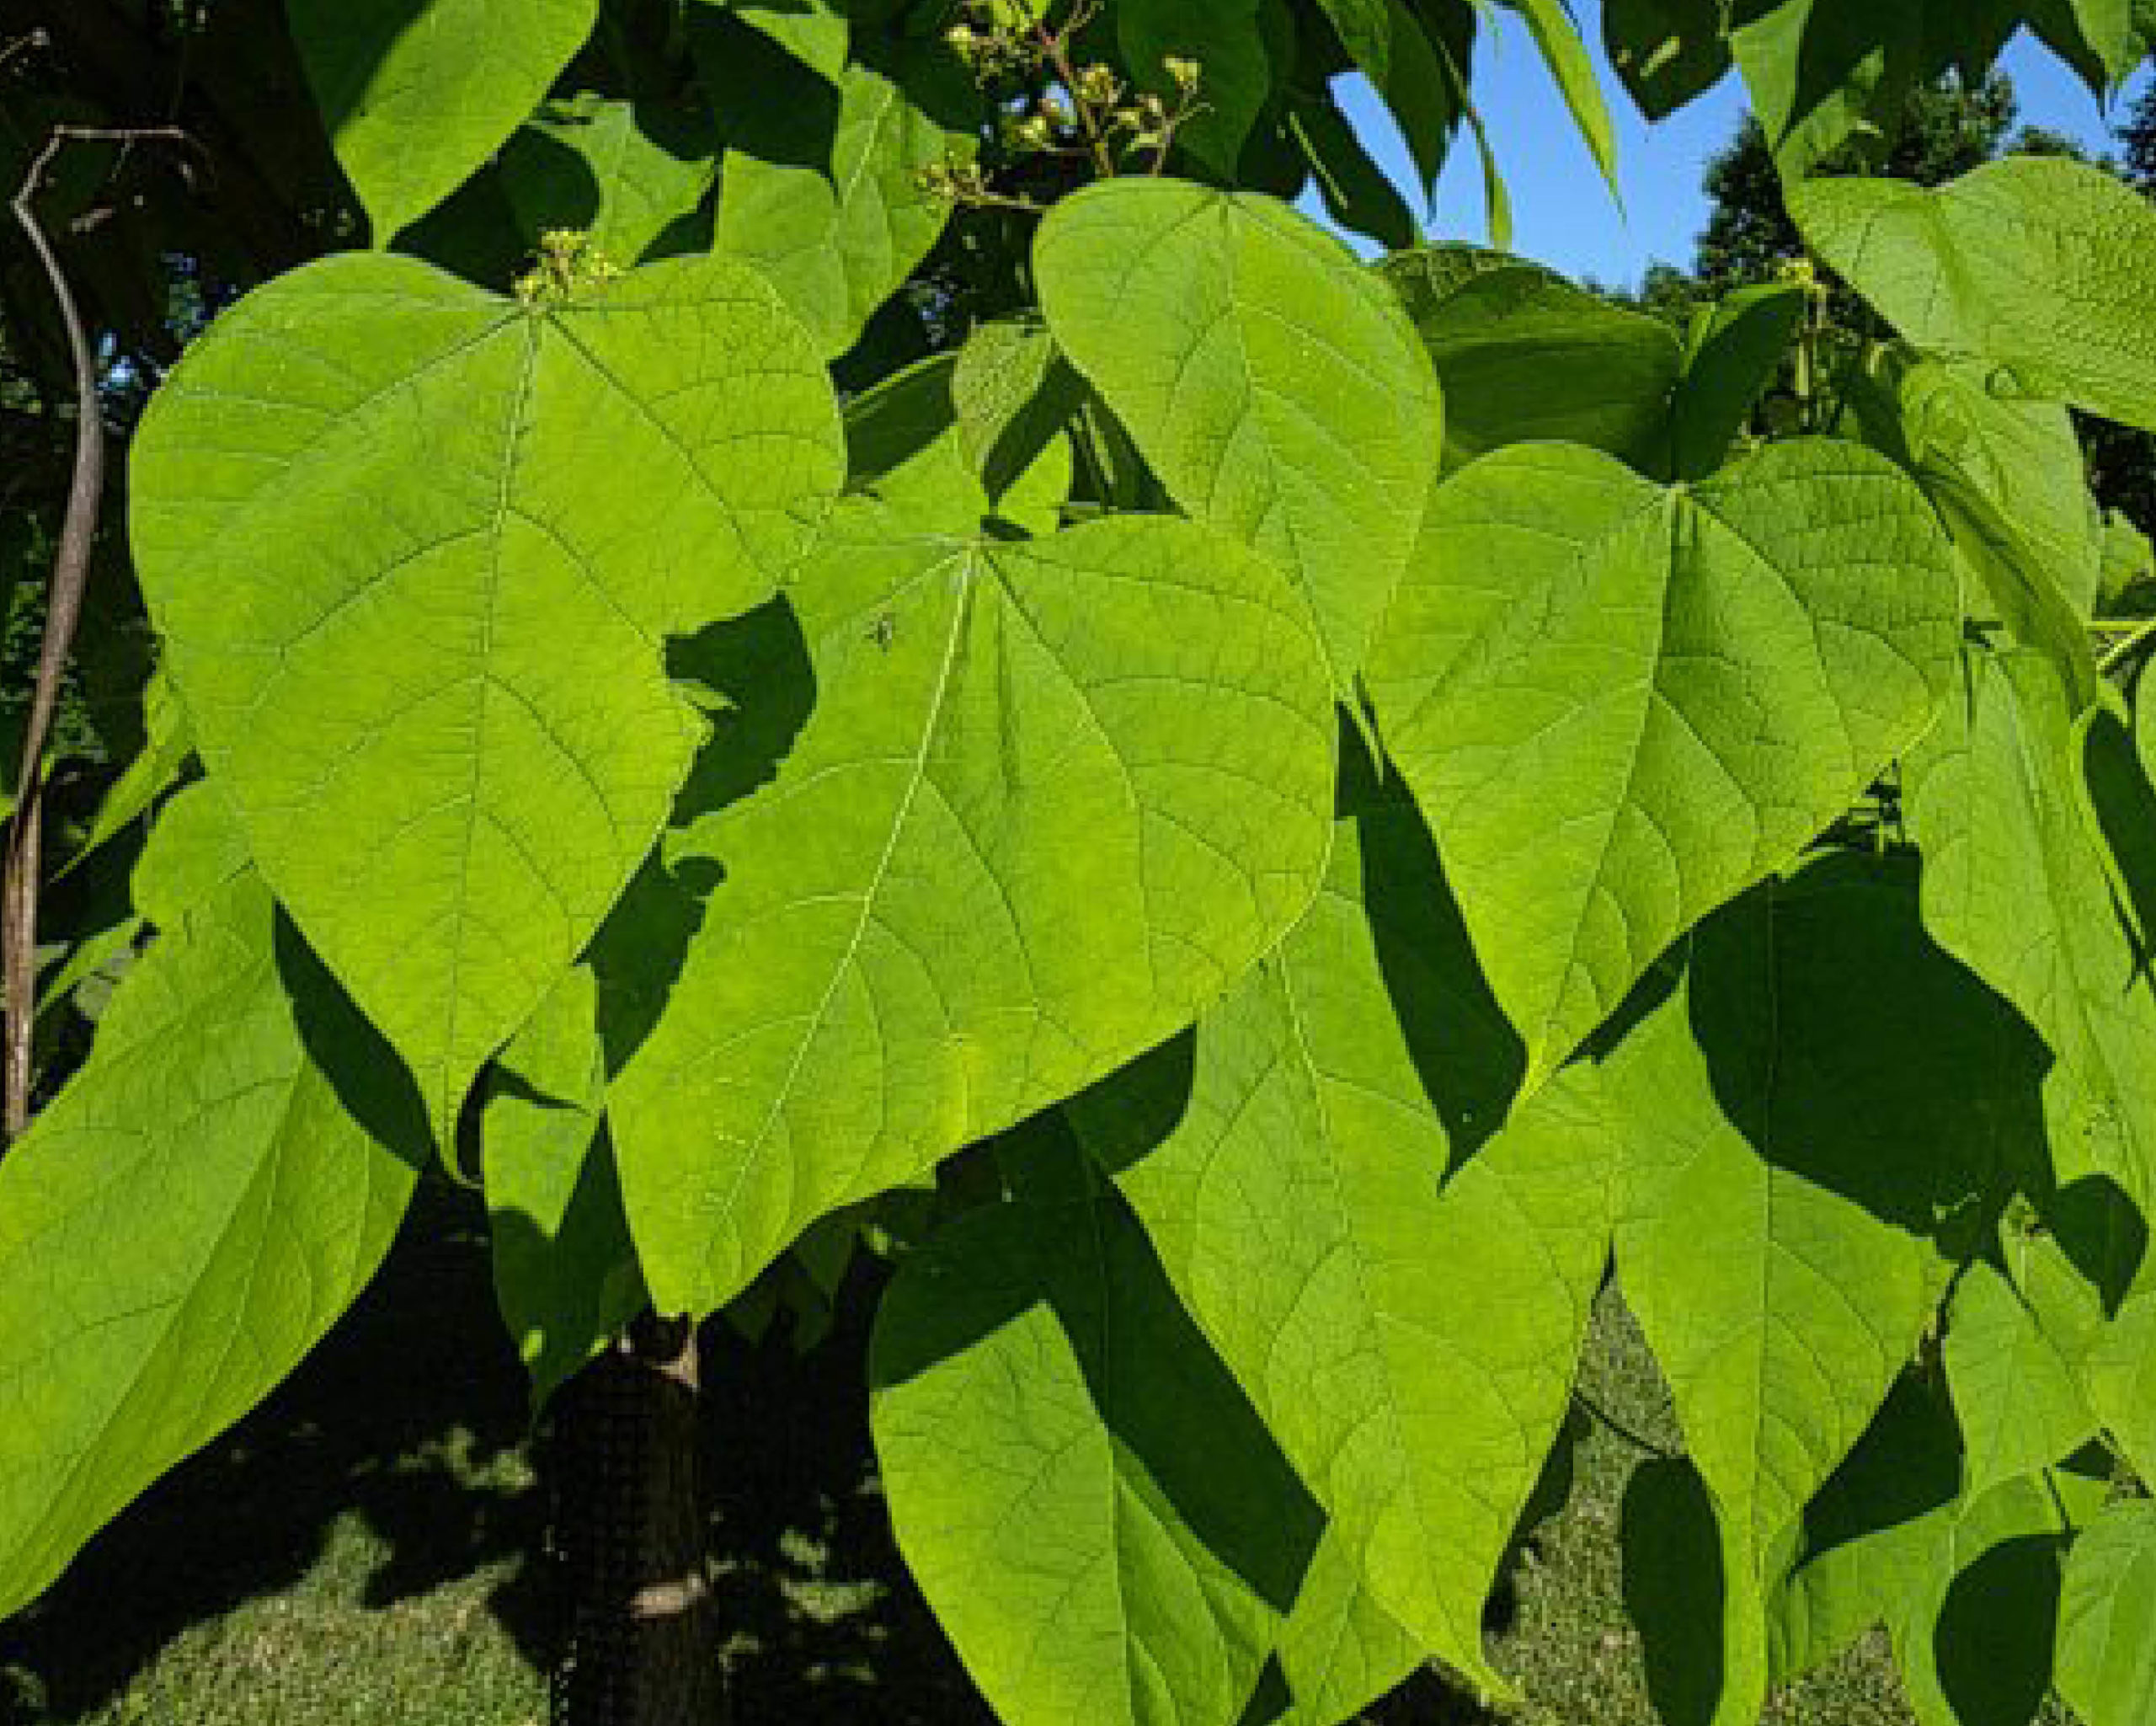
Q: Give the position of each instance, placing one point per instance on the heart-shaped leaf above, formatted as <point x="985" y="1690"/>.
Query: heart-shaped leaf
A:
<point x="1619" y="704"/>
<point x="414" y="548"/>
<point x="1055" y="795"/>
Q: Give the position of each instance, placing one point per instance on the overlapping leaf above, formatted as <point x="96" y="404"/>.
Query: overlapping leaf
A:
<point x="414" y="550"/>
<point x="1291" y="1171"/>
<point x="417" y="94"/>
<point x="629" y="177"/>
<point x="1274" y="385"/>
<point x="1055" y="797"/>
<point x="2036" y="267"/>
<point x="1731" y="353"/>
<point x="2013" y="1388"/>
<point x="1620" y="705"/>
<point x="1105" y="1530"/>
<point x="1523" y="355"/>
<point x="2107" y="1618"/>
<point x="1823" y="1089"/>
<point x="185" y="1220"/>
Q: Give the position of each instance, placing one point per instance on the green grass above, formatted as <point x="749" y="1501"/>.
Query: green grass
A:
<point x="360" y="1550"/>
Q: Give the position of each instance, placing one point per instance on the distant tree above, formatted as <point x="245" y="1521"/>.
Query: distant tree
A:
<point x="2137" y="139"/>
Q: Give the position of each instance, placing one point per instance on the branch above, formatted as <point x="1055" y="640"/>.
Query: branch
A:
<point x="70" y="569"/>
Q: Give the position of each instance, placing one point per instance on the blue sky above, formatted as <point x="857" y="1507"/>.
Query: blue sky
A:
<point x="1563" y="214"/>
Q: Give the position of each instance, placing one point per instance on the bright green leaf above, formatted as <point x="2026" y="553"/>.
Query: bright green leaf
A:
<point x="1620" y="705"/>
<point x="1012" y="394"/>
<point x="2107" y="1618"/>
<point x="185" y="1221"/>
<point x="1823" y="1087"/>
<point x="1104" y="1527"/>
<point x="1557" y="38"/>
<point x="2014" y="1390"/>
<point x="414" y="550"/>
<point x="1522" y="355"/>
<point x="1055" y="795"/>
<point x="417" y="94"/>
<point x="1289" y="1175"/>
<point x="2035" y="266"/>
<point x="630" y="176"/>
<point x="1821" y="71"/>
<point x="195" y="845"/>
<point x="1274" y="384"/>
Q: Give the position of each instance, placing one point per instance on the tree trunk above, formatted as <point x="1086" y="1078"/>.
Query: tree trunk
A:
<point x="640" y="1649"/>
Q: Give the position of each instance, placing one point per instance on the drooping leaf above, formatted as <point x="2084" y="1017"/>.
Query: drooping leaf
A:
<point x="1407" y="65"/>
<point x="631" y="176"/>
<point x="1356" y="191"/>
<point x="1105" y="1530"/>
<point x="1731" y="353"/>
<point x="414" y="548"/>
<point x="1522" y="355"/>
<point x="1274" y="384"/>
<point x="1822" y="71"/>
<point x="1667" y="51"/>
<point x="417" y="94"/>
<point x="153" y="772"/>
<point x="2014" y="1390"/>
<point x="2014" y="889"/>
<point x="841" y="232"/>
<point x="2033" y="266"/>
<point x="1557" y="38"/>
<point x="1620" y="705"/>
<point x="1012" y="394"/>
<point x="1055" y="797"/>
<point x="2006" y="478"/>
<point x="1291" y="1171"/>
<point x="565" y="1270"/>
<point x="185" y="1220"/>
<point x="195" y="847"/>
<point x="2107" y="1618"/>
<point x="1822" y="1094"/>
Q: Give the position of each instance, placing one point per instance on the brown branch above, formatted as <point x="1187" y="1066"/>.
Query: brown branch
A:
<point x="70" y="569"/>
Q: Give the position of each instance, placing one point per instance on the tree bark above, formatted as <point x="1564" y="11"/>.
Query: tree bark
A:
<point x="641" y="1646"/>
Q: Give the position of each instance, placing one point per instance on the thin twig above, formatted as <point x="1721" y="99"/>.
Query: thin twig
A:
<point x="63" y="608"/>
<point x="2120" y="652"/>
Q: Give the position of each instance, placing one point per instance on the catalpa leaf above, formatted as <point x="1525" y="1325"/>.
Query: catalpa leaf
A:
<point x="1822" y="1088"/>
<point x="1291" y="1170"/>
<point x="185" y="1220"/>
<point x="1822" y="71"/>
<point x="1522" y="355"/>
<point x="839" y="233"/>
<point x="565" y="1269"/>
<point x="1731" y="353"/>
<point x="1620" y="705"/>
<point x="1105" y="1532"/>
<point x="1054" y="796"/>
<point x="1272" y="383"/>
<point x="2035" y="266"/>
<point x="1339" y="1650"/>
<point x="1666" y="51"/>
<point x="2107" y="1618"/>
<point x="2014" y="1390"/>
<point x="417" y="94"/>
<point x="2015" y="889"/>
<point x="629" y="176"/>
<point x="414" y="550"/>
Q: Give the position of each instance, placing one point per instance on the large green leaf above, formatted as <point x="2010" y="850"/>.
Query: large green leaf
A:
<point x="2035" y="266"/>
<point x="417" y="94"/>
<point x="631" y="176"/>
<point x="1821" y="1090"/>
<point x="2107" y="1618"/>
<point x="2006" y="478"/>
<point x="1965" y="1583"/>
<point x="1820" y="71"/>
<point x="414" y="549"/>
<point x="1291" y="1171"/>
<point x="1274" y="384"/>
<point x="185" y="1219"/>
<point x="2013" y="887"/>
<point x="839" y="233"/>
<point x="1411" y="70"/>
<point x="1055" y="797"/>
<point x="1522" y="355"/>
<point x="565" y="1270"/>
<point x="1620" y="705"/>
<point x="1104" y="1528"/>
<point x="2014" y="1388"/>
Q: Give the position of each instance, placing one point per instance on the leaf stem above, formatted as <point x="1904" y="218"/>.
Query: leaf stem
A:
<point x="2120" y="651"/>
